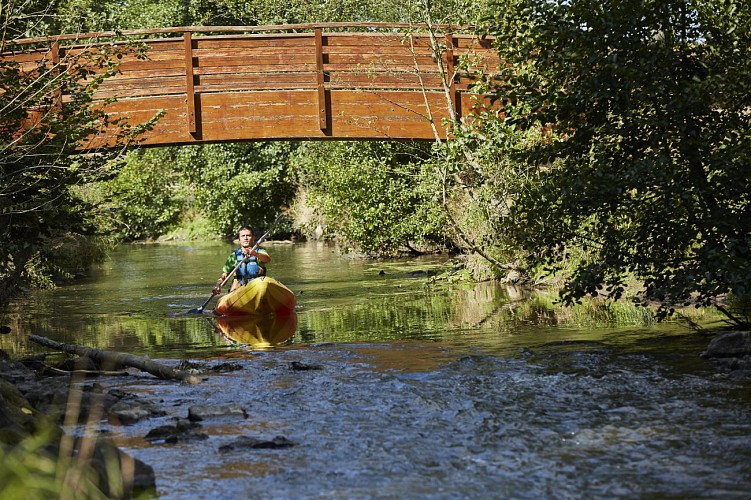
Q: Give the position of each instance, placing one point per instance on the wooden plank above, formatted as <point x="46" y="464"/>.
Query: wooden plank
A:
<point x="131" y="64"/>
<point x="401" y="59"/>
<point x="289" y="129"/>
<point x="163" y="44"/>
<point x="378" y="51"/>
<point x="369" y="103"/>
<point x="209" y="45"/>
<point x="283" y="79"/>
<point x="384" y="80"/>
<point x="154" y="73"/>
<point x="146" y="84"/>
<point x="130" y="94"/>
<point x="257" y="69"/>
<point x="28" y="57"/>
<point x="394" y="68"/>
<point x="287" y="51"/>
<point x="260" y="59"/>
<point x="241" y="87"/>
<point x="473" y="42"/>
<point x="374" y="39"/>
<point x="278" y="44"/>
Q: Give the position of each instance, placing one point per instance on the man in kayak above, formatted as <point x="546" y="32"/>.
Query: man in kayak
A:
<point x="254" y="267"/>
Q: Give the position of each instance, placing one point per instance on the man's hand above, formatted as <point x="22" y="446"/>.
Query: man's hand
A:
<point x="218" y="287"/>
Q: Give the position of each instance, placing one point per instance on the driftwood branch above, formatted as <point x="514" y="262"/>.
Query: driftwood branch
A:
<point x="57" y="371"/>
<point x="116" y="359"/>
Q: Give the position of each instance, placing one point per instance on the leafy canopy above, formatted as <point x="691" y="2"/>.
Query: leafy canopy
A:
<point x="46" y="114"/>
<point x="375" y="195"/>
<point x="649" y="166"/>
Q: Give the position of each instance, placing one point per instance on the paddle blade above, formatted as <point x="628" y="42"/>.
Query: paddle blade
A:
<point x="197" y="310"/>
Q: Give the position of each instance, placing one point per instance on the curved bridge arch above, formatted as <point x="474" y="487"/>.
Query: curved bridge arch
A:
<point x="339" y="81"/>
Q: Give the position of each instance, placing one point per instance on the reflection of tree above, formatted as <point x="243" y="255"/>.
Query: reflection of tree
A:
<point x="169" y="337"/>
<point x="444" y="312"/>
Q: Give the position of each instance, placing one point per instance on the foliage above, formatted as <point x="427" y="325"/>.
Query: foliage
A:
<point x="238" y="184"/>
<point x="26" y="470"/>
<point x="273" y="12"/>
<point x="27" y="19"/>
<point x="76" y="16"/>
<point x="648" y="168"/>
<point x="46" y="111"/>
<point x="375" y="195"/>
<point x="482" y="181"/>
<point x="145" y="198"/>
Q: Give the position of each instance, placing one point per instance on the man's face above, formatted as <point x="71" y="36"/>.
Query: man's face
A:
<point x="246" y="238"/>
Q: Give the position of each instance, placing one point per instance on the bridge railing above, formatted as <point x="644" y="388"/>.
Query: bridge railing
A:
<point x="305" y="81"/>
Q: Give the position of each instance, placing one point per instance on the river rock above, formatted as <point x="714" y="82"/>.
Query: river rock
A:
<point x="138" y="478"/>
<point x="16" y="414"/>
<point x="202" y="412"/>
<point x="731" y="351"/>
<point x="20" y="419"/>
<point x="299" y="366"/>
<point x="183" y="430"/>
<point x="128" y="411"/>
<point x="247" y="442"/>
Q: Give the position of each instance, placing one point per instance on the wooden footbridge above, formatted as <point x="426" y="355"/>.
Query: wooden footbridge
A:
<point x="324" y="81"/>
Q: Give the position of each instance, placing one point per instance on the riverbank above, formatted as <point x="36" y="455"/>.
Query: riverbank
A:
<point x="37" y="458"/>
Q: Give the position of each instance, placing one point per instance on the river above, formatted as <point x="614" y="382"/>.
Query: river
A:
<point x="388" y="386"/>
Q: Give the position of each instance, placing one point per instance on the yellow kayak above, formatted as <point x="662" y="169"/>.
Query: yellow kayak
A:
<point x="261" y="296"/>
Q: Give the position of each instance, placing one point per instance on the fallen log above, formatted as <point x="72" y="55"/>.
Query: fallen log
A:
<point x="116" y="359"/>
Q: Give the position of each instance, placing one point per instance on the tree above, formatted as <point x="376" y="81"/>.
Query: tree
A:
<point x="46" y="112"/>
<point x="376" y="196"/>
<point x="145" y="200"/>
<point x="648" y="167"/>
<point x="238" y="184"/>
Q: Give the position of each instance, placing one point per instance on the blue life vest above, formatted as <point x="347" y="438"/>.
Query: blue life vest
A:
<point x="249" y="269"/>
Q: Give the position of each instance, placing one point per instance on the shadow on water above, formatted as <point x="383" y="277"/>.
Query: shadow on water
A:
<point x="384" y="387"/>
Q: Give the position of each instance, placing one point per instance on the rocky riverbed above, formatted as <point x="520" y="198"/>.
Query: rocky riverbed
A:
<point x="565" y="419"/>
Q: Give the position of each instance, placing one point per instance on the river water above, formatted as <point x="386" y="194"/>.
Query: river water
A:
<point x="387" y="386"/>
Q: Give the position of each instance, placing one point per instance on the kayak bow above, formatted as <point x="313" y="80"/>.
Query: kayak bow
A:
<point x="261" y="296"/>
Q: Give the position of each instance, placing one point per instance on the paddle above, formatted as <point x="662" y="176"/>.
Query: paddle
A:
<point x="218" y="289"/>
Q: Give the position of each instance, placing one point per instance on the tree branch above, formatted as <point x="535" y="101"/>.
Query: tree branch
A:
<point x="116" y="359"/>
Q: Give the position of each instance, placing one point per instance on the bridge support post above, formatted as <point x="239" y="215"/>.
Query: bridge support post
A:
<point x="450" y="77"/>
<point x="190" y="93"/>
<point x="323" y="122"/>
<point x="58" y="93"/>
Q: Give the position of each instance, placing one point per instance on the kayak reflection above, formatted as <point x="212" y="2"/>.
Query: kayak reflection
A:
<point x="258" y="331"/>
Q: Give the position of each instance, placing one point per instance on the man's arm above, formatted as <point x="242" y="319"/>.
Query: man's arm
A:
<point x="263" y="255"/>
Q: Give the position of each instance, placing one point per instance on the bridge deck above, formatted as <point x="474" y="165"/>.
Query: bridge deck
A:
<point x="309" y="84"/>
